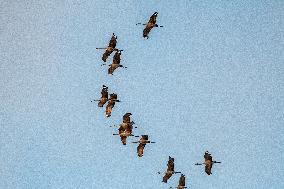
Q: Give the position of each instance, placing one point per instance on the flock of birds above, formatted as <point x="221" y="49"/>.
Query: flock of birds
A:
<point x="126" y="127"/>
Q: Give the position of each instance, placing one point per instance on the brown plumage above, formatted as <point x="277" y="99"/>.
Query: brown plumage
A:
<point x="111" y="103"/>
<point x="115" y="63"/>
<point x="142" y="143"/>
<point x="129" y="128"/>
<point x="104" y="96"/>
<point x="148" y="28"/>
<point x="208" y="162"/>
<point x="112" y="67"/>
<point x="116" y="57"/>
<point x="181" y="183"/>
<point x="126" y="118"/>
<point x="125" y="129"/>
<point x="110" y="48"/>
<point x="140" y="149"/>
<point x="122" y="134"/>
<point x="151" y="24"/>
<point x="170" y="170"/>
<point x="113" y="41"/>
<point x="153" y="18"/>
<point x="106" y="54"/>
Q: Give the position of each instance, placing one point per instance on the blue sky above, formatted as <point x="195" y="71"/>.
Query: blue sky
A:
<point x="211" y="79"/>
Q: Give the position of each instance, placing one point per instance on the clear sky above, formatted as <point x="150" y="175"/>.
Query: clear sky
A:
<point x="211" y="79"/>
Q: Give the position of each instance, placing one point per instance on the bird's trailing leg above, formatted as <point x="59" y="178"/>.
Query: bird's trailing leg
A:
<point x="199" y="163"/>
<point x="145" y="142"/>
<point x="141" y="24"/>
<point x="122" y="66"/>
<point x="118" y="126"/>
<point x="173" y="172"/>
<point x="95" y="100"/>
<point x="216" y="162"/>
<point x="115" y="134"/>
<point x="205" y="163"/>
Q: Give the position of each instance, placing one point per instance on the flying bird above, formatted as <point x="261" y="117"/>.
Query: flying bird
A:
<point x="115" y="63"/>
<point x="170" y="170"/>
<point x="181" y="183"/>
<point x="110" y="48"/>
<point x="208" y="162"/>
<point x="142" y="143"/>
<point x="104" y="97"/>
<point x="125" y="129"/>
<point x="111" y="102"/>
<point x="150" y="25"/>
